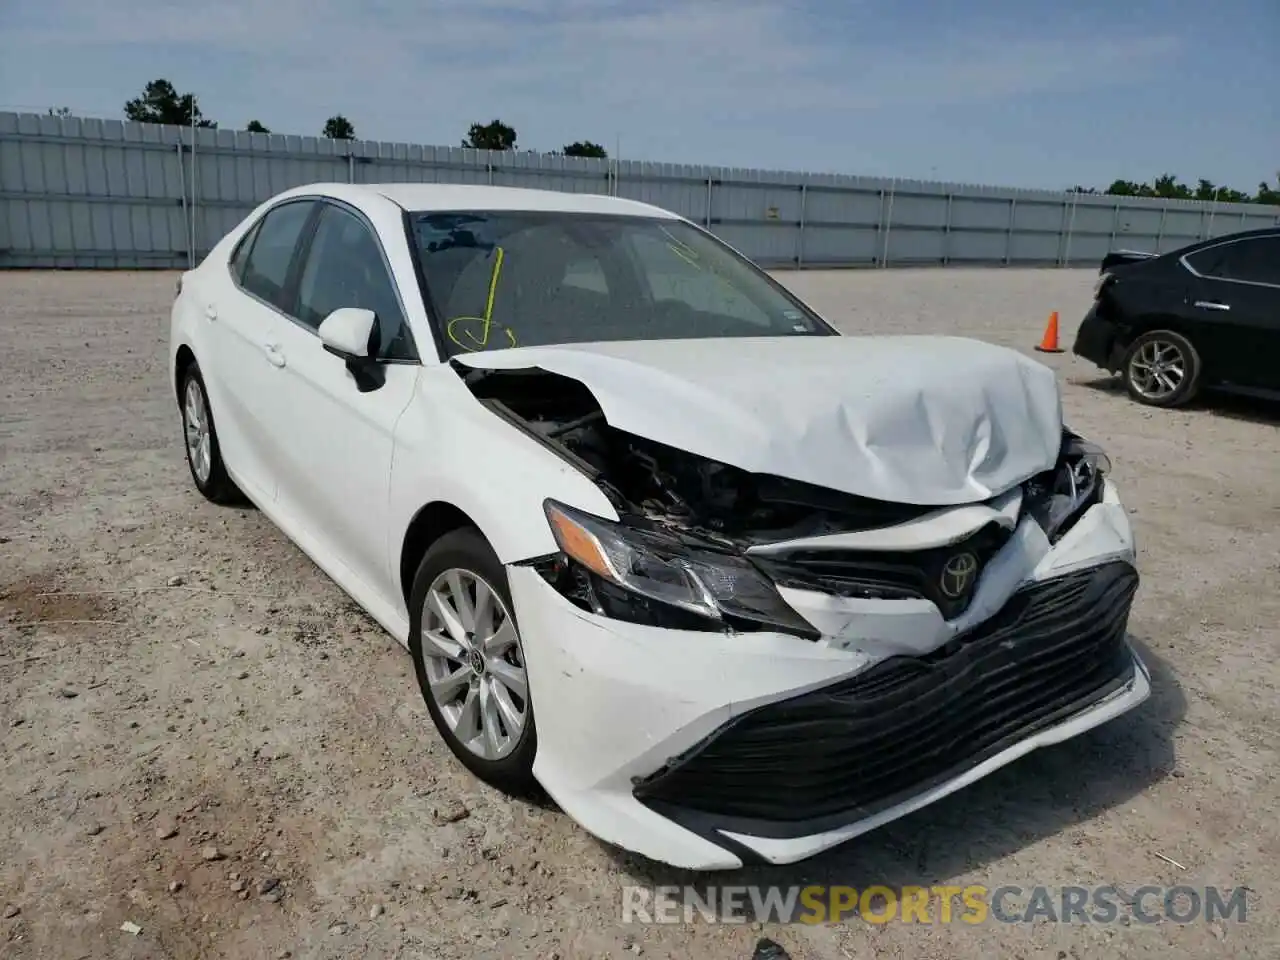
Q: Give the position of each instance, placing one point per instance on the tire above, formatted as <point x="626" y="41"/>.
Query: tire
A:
<point x="458" y="703"/>
<point x="1151" y="366"/>
<point x="204" y="455"/>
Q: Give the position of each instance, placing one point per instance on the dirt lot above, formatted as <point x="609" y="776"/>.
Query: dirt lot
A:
<point x="203" y="736"/>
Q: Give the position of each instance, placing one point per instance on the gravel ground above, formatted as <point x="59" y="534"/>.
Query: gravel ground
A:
<point x="204" y="737"/>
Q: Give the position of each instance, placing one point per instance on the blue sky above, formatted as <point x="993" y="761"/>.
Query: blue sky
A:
<point x="1026" y="93"/>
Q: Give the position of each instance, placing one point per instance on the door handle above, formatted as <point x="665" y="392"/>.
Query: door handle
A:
<point x="274" y="356"/>
<point x="1212" y="305"/>
<point x="210" y="311"/>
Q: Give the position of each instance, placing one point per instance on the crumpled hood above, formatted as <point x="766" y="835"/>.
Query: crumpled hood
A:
<point x="910" y="419"/>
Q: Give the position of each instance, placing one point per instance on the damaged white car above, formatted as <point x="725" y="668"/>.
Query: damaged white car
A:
<point x="730" y="586"/>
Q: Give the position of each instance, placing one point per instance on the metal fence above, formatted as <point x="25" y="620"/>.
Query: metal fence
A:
<point x="111" y="194"/>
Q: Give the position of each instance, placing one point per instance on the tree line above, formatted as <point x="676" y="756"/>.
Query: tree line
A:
<point x="1170" y="187"/>
<point x="161" y="103"/>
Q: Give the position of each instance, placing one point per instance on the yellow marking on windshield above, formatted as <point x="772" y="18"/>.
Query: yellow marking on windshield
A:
<point x="486" y="322"/>
<point x="493" y="284"/>
<point x="685" y="256"/>
<point x="683" y="250"/>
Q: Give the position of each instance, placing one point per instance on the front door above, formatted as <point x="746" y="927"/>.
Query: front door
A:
<point x="335" y="441"/>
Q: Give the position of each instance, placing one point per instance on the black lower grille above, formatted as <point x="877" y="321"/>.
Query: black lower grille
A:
<point x="908" y="723"/>
<point x="929" y="574"/>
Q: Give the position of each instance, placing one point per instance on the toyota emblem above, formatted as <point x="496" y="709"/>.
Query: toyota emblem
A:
<point x="958" y="575"/>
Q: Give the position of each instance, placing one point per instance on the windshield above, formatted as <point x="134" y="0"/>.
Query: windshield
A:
<point x="506" y="279"/>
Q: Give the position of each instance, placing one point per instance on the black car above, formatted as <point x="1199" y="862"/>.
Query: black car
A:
<point x="1207" y="315"/>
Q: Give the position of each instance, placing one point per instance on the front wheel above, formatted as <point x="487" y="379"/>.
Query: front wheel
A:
<point x="469" y="660"/>
<point x="1162" y="369"/>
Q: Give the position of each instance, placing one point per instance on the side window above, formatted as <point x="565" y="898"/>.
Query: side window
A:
<point x="1256" y="259"/>
<point x="240" y="255"/>
<point x="674" y="272"/>
<point x="345" y="268"/>
<point x="267" y="267"/>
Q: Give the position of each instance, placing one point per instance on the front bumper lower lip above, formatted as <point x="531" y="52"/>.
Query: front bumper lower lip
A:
<point x="910" y="724"/>
<point x="792" y="849"/>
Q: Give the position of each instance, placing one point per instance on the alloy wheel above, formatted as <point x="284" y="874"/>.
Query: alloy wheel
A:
<point x="1157" y="369"/>
<point x="195" y="421"/>
<point x="474" y="663"/>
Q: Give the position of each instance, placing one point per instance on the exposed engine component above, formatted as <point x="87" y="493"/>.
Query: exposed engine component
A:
<point x="678" y="490"/>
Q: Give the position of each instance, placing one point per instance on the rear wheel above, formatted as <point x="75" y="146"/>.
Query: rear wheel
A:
<point x="204" y="456"/>
<point x="469" y="660"/>
<point x="1162" y="369"/>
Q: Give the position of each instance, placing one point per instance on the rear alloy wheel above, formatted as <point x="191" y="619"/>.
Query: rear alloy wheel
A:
<point x="1162" y="369"/>
<point x="204" y="456"/>
<point x="469" y="660"/>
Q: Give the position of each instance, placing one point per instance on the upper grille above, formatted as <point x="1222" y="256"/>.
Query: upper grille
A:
<point x="908" y="723"/>
<point x="891" y="575"/>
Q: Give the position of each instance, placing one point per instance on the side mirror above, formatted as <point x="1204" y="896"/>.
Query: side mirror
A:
<point x="345" y="332"/>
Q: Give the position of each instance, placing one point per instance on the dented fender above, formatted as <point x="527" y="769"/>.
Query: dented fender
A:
<point x="509" y="472"/>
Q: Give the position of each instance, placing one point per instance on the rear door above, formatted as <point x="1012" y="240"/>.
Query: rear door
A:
<point x="242" y="310"/>
<point x="1238" y="294"/>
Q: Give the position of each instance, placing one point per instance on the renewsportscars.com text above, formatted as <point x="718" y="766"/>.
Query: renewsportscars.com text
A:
<point x="973" y="904"/>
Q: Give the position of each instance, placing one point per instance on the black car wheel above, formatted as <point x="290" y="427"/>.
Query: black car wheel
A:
<point x="469" y="660"/>
<point x="1162" y="369"/>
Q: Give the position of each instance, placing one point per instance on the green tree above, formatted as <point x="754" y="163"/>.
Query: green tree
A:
<point x="1267" y="195"/>
<point x="161" y="103"/>
<point x="1166" y="185"/>
<point x="59" y="111"/>
<point x="339" y="127"/>
<point x="254" y="126"/>
<point x="494" y="135"/>
<point x="1127" y="188"/>
<point x="585" y="148"/>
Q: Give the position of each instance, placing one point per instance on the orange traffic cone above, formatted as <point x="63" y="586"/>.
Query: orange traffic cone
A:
<point x="1049" y="342"/>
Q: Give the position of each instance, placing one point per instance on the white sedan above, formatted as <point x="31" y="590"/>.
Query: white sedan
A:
<point x="730" y="586"/>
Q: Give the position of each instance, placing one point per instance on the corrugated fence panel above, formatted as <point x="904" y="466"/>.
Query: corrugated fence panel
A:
<point x="80" y="192"/>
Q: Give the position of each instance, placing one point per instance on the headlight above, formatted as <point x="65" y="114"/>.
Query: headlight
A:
<point x="629" y="569"/>
<point x="1057" y="499"/>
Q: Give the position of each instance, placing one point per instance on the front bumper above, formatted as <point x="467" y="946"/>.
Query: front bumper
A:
<point x="1098" y="341"/>
<point x="707" y="751"/>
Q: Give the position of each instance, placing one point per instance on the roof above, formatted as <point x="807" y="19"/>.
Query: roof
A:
<point x="451" y="196"/>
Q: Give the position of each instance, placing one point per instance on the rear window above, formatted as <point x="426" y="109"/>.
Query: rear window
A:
<point x="267" y="267"/>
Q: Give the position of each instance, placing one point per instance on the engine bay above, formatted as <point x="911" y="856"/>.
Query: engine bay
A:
<point x="653" y="483"/>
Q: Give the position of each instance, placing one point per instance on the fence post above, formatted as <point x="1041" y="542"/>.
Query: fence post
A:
<point x="1164" y="209"/>
<point x="707" y="213"/>
<point x="195" y="196"/>
<point x="888" y="223"/>
<point x="186" y="212"/>
<point x="1213" y="208"/>
<point x="946" y="232"/>
<point x="1115" y="225"/>
<point x="1071" y="226"/>
<point x="1008" y="237"/>
<point x="804" y="199"/>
